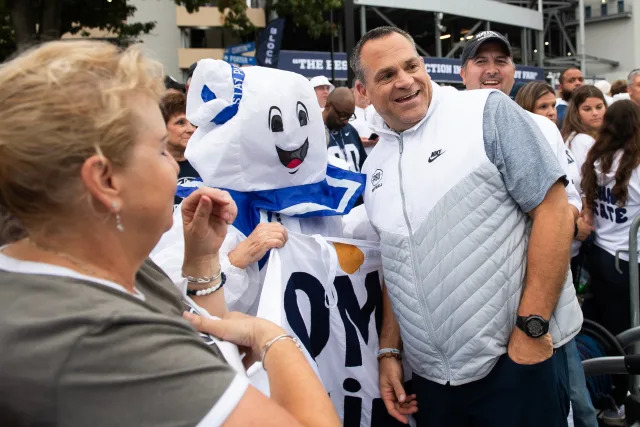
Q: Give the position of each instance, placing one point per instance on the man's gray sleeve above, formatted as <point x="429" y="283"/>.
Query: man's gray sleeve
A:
<point x="515" y="145"/>
<point x="140" y="370"/>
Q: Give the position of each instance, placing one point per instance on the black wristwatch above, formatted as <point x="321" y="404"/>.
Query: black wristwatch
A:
<point x="534" y="326"/>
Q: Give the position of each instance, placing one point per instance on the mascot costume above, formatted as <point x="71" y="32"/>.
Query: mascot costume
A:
<point x="261" y="137"/>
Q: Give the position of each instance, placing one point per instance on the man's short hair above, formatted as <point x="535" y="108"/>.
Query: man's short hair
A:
<point x="631" y="75"/>
<point x="173" y="104"/>
<point x="374" y="34"/>
<point x="561" y="78"/>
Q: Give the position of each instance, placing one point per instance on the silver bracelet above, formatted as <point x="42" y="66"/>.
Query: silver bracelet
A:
<point x="389" y="352"/>
<point x="202" y="280"/>
<point x="272" y="341"/>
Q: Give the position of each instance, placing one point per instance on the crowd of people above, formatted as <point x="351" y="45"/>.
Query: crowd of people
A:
<point x="488" y="213"/>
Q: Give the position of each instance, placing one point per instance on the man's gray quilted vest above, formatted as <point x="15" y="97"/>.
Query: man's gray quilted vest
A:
<point x="455" y="284"/>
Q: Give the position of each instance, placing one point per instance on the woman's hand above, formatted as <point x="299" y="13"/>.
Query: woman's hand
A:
<point x="264" y="237"/>
<point x="584" y="228"/>
<point x="248" y="332"/>
<point x="205" y="215"/>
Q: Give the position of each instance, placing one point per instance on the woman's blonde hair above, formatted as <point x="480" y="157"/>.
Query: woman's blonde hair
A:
<point x="61" y="103"/>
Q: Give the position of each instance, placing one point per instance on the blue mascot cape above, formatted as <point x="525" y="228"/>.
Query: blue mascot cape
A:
<point x="319" y="199"/>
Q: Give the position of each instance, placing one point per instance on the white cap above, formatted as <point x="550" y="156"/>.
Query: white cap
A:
<point x="321" y="81"/>
<point x="604" y="86"/>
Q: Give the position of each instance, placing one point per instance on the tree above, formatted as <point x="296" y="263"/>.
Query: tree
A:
<point x="35" y="21"/>
<point x="308" y="14"/>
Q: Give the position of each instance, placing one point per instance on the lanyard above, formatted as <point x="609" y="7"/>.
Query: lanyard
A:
<point x="342" y="147"/>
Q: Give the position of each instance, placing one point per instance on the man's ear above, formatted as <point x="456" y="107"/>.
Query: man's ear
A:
<point x="362" y="90"/>
<point x="97" y="173"/>
<point x="463" y="74"/>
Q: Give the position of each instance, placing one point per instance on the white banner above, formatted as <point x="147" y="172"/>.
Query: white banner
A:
<point x="329" y="295"/>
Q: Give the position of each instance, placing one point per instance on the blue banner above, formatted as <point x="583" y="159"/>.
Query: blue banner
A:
<point x="239" y="59"/>
<point x="445" y="70"/>
<point x="240" y="48"/>
<point x="269" y="44"/>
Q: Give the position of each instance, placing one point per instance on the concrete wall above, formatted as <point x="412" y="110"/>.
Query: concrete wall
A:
<point x="163" y="42"/>
<point x="617" y="39"/>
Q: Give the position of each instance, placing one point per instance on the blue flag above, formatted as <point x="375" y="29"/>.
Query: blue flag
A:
<point x="269" y="44"/>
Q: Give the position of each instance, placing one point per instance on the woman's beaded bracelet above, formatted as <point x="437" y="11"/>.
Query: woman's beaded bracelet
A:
<point x="207" y="291"/>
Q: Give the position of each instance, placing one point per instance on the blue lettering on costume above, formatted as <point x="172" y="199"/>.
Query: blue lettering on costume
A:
<point x="228" y="112"/>
<point x="352" y="314"/>
<point x="603" y="211"/>
<point x="316" y="339"/>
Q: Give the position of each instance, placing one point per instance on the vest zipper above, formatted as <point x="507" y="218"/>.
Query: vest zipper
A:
<point x="431" y="331"/>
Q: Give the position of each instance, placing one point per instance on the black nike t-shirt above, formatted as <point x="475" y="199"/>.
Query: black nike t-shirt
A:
<point x="345" y="144"/>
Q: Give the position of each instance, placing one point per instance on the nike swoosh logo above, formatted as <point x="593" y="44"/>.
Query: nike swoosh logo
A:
<point x="347" y="133"/>
<point x="435" y="155"/>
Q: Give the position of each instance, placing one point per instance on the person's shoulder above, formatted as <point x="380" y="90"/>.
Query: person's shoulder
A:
<point x="548" y="128"/>
<point x="561" y="102"/>
<point x="584" y="139"/>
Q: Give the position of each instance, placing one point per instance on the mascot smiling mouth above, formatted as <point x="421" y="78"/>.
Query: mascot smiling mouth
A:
<point x="293" y="159"/>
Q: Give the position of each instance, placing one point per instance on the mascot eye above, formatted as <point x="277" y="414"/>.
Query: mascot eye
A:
<point x="275" y="119"/>
<point x="303" y="115"/>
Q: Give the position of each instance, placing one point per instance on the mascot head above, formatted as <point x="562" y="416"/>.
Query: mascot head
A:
<point x="258" y="128"/>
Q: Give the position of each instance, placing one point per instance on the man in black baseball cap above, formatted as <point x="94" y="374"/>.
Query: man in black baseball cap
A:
<point x="487" y="62"/>
<point x="471" y="47"/>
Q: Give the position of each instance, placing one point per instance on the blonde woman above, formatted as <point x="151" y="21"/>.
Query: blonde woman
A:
<point x="92" y="331"/>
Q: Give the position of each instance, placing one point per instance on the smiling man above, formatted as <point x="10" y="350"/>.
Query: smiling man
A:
<point x="475" y="229"/>
<point x="487" y="62"/>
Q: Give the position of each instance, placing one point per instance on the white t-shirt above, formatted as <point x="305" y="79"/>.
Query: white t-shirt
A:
<point x="578" y="147"/>
<point x="612" y="222"/>
<point x="554" y="138"/>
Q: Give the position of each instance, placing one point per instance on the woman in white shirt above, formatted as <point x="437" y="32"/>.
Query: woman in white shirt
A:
<point x="579" y="130"/>
<point x="611" y="184"/>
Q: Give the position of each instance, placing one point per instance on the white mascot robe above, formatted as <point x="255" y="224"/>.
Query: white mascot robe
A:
<point x="260" y="133"/>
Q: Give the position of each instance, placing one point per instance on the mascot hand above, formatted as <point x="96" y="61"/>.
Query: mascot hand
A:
<point x="264" y="237"/>
<point x="205" y="215"/>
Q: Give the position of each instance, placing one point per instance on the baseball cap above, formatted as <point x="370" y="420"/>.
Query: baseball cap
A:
<point x="321" y="81"/>
<point x="192" y="68"/>
<point x="171" y="83"/>
<point x="472" y="46"/>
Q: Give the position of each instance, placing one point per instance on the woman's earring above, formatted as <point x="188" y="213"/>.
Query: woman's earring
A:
<point x="119" y="225"/>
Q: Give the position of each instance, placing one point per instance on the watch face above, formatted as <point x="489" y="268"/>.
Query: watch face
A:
<point x="535" y="327"/>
